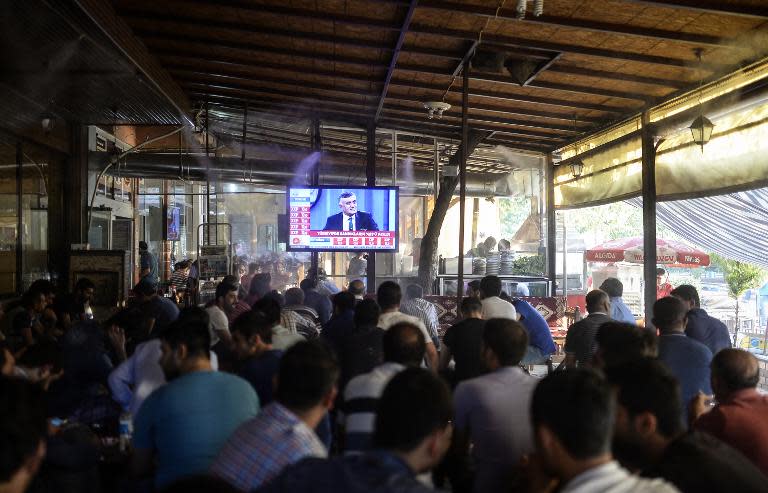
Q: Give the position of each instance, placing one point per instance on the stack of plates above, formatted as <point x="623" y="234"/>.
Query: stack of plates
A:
<point x="507" y="262"/>
<point x="478" y="266"/>
<point x="492" y="262"/>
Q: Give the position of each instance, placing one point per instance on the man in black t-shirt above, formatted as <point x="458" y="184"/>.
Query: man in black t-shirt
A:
<point x="462" y="341"/>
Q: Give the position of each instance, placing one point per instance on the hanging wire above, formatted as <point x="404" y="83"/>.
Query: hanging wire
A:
<point x="479" y="40"/>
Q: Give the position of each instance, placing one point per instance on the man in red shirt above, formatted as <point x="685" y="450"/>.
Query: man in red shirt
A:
<point x="663" y="287"/>
<point x="740" y="416"/>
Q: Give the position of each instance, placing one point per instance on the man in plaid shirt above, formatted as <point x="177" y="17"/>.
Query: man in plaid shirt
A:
<point x="282" y="434"/>
<point x="416" y="306"/>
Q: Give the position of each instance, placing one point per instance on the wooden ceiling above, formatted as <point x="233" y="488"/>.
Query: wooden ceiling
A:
<point x="592" y="62"/>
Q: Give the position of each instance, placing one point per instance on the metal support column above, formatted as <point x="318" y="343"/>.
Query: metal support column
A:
<point x="315" y="179"/>
<point x="436" y="171"/>
<point x="649" y="218"/>
<point x="394" y="158"/>
<point x="370" y="180"/>
<point x="565" y="258"/>
<point x="463" y="178"/>
<point x="551" y="224"/>
<point x="19" y="219"/>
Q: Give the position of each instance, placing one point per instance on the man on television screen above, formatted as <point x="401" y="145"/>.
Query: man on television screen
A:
<point x="350" y="219"/>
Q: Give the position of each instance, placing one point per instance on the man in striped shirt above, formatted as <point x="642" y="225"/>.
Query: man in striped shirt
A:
<point x="403" y="346"/>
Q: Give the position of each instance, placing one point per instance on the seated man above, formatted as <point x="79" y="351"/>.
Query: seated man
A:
<point x="313" y="298"/>
<point x="403" y="347"/>
<point x="492" y="411"/>
<point x="621" y="342"/>
<point x="580" y="339"/>
<point x="342" y="323"/>
<point x="182" y="426"/>
<point x="413" y="432"/>
<point x="259" y="360"/>
<point x="686" y="358"/>
<point x="361" y="350"/>
<point x="416" y="306"/>
<point x="650" y="438"/>
<point x="540" y="343"/>
<point x="707" y="330"/>
<point x="463" y="341"/>
<point x="223" y="304"/>
<point x="357" y="288"/>
<point x="282" y="337"/>
<point x="23" y="432"/>
<point x="297" y="317"/>
<point x="615" y="290"/>
<point x="493" y="305"/>
<point x="282" y="433"/>
<point x="573" y="415"/>
<point x="740" y="417"/>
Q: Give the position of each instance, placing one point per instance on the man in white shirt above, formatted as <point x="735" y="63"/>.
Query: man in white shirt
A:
<point x="226" y="297"/>
<point x="573" y="414"/>
<point x="493" y="306"/>
<point x="389" y="295"/>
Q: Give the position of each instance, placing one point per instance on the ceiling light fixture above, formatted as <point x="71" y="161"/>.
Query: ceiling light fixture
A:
<point x="576" y="168"/>
<point x="701" y="128"/>
<point x="522" y="5"/>
<point x="436" y="108"/>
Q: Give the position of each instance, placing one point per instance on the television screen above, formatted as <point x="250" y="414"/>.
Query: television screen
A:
<point x="328" y="218"/>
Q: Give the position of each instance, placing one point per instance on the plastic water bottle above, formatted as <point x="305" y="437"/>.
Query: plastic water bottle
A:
<point x="125" y="429"/>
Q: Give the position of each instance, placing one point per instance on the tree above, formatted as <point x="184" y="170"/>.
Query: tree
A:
<point x="739" y="277"/>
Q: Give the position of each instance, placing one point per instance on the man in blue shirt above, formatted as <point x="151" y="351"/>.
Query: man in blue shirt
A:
<point x="147" y="264"/>
<point x="540" y="343"/>
<point x="183" y="425"/>
<point x="615" y="290"/>
<point x="686" y="358"/>
<point x="707" y="330"/>
<point x="413" y="433"/>
<point x="259" y="361"/>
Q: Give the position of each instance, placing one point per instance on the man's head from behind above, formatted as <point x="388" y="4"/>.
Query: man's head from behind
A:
<point x="144" y="290"/>
<point x="143" y="247"/>
<point x="504" y="343"/>
<point x="490" y="286"/>
<point x="471" y="307"/>
<point x="613" y="287"/>
<point x="413" y="418"/>
<point x="389" y="295"/>
<point x="688" y="295"/>
<point x="620" y="342"/>
<point x="343" y="301"/>
<point x="413" y="291"/>
<point x="573" y="413"/>
<point x="404" y="343"/>
<point x="294" y="296"/>
<point x="23" y="431"/>
<point x="269" y="306"/>
<point x="357" y="288"/>
<point x="251" y="334"/>
<point x="367" y="313"/>
<point x="648" y="414"/>
<point x="473" y="288"/>
<point x="348" y="203"/>
<point x="183" y="345"/>
<point x="670" y="314"/>
<point x="307" y="377"/>
<point x="598" y="302"/>
<point x="734" y="370"/>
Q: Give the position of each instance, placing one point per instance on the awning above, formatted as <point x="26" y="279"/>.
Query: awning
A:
<point x="734" y="225"/>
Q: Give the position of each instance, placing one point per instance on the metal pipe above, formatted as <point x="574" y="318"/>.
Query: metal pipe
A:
<point x="463" y="178"/>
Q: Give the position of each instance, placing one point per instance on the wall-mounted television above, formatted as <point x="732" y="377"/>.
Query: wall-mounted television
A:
<point x="336" y="218"/>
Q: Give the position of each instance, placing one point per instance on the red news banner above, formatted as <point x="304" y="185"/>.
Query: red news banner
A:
<point x="357" y="238"/>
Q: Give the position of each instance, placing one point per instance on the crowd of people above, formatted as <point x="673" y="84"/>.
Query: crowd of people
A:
<point x="317" y="389"/>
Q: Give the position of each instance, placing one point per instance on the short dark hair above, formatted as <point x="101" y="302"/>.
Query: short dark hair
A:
<point x="195" y="336"/>
<point x="471" y="304"/>
<point x="253" y="267"/>
<point x="260" y="284"/>
<point x="275" y="296"/>
<point x="660" y="271"/>
<point x="668" y="311"/>
<point x="413" y="291"/>
<point x="294" y="296"/>
<point x="413" y="405"/>
<point x="270" y="308"/>
<point x="343" y="301"/>
<point x="389" y="294"/>
<point x="646" y="385"/>
<point x="42" y="286"/>
<point x="223" y="289"/>
<point x="84" y="283"/>
<point x="613" y="287"/>
<point x="345" y="195"/>
<point x="405" y="344"/>
<point x="308" y="283"/>
<point x="367" y="313"/>
<point x="29" y="298"/>
<point x="254" y="323"/>
<point x="621" y="342"/>
<point x="143" y="245"/>
<point x="194" y="314"/>
<point x="23" y="423"/>
<point x="145" y="288"/>
<point x="475" y="285"/>
<point x="595" y="298"/>
<point x="507" y="338"/>
<point x="490" y="286"/>
<point x="688" y="293"/>
<point x="356" y="287"/>
<point x="308" y="371"/>
<point x="577" y="406"/>
<point x="200" y="484"/>
<point x="736" y="369"/>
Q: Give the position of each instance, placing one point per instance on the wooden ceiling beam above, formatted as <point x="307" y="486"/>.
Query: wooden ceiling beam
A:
<point x="280" y="108"/>
<point x="515" y="42"/>
<point x="601" y="74"/>
<point x="357" y="104"/>
<point x="395" y="55"/>
<point x="577" y="23"/>
<point x="719" y="8"/>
